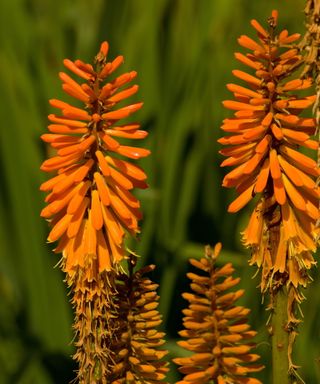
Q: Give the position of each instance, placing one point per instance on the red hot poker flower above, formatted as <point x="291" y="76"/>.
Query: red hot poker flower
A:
<point x="263" y="138"/>
<point x="90" y="205"/>
<point x="216" y="328"/>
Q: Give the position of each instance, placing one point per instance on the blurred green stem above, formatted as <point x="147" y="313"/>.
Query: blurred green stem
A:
<point x="280" y="339"/>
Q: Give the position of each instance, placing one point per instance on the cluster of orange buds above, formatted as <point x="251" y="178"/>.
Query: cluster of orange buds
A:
<point x="89" y="205"/>
<point x="137" y="357"/>
<point x="263" y="138"/>
<point x="216" y="329"/>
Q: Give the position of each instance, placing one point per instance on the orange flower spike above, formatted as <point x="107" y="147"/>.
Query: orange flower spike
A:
<point x="215" y="327"/>
<point x="137" y="358"/>
<point x="90" y="206"/>
<point x="263" y="139"/>
<point x="87" y="183"/>
<point x="273" y="92"/>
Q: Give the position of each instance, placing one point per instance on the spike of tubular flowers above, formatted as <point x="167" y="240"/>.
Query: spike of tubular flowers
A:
<point x="90" y="206"/>
<point x="263" y="140"/>
<point x="89" y="200"/>
<point x="216" y="329"/>
<point x="136" y="353"/>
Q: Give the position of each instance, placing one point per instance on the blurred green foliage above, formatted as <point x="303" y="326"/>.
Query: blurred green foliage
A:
<point x="183" y="52"/>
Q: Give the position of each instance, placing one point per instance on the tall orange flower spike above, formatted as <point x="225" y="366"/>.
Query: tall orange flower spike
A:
<point x="263" y="140"/>
<point x="216" y="329"/>
<point x="90" y="205"/>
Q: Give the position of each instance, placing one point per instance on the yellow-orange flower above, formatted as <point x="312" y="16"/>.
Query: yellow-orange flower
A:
<point x="263" y="138"/>
<point x="216" y="329"/>
<point x="89" y="205"/>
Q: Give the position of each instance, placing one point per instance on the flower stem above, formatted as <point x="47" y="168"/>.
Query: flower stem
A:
<point x="280" y="338"/>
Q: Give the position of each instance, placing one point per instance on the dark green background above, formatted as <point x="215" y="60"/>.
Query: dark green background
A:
<point x="183" y="52"/>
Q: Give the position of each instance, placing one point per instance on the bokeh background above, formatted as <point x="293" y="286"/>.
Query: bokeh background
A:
<point x="183" y="52"/>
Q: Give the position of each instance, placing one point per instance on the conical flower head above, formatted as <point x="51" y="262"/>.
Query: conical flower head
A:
<point x="263" y="138"/>
<point x="216" y="329"/>
<point x="90" y="205"/>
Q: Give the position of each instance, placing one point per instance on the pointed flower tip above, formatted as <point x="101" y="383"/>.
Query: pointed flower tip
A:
<point x="217" y="249"/>
<point x="104" y="48"/>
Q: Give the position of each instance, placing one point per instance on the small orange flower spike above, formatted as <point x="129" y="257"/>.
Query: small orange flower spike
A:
<point x="90" y="205"/>
<point x="263" y="138"/>
<point x="137" y="353"/>
<point x="216" y="329"/>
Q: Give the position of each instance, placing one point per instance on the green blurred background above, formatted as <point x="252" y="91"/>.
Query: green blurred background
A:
<point x="183" y="52"/>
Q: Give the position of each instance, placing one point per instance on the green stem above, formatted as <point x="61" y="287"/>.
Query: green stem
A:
<point x="280" y="338"/>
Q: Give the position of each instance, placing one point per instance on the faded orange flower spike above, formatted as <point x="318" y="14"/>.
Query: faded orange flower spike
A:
<point x="216" y="329"/>
<point x="137" y="357"/>
<point x="90" y="205"/>
<point x="263" y="140"/>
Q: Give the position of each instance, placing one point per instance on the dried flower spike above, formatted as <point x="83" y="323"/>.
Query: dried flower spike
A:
<point x="137" y="357"/>
<point x="89" y="205"/>
<point x="216" y="329"/>
<point x="263" y="139"/>
<point x="94" y="324"/>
